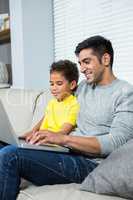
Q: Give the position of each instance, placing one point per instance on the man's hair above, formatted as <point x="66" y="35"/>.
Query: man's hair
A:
<point x="67" y="68"/>
<point x="99" y="45"/>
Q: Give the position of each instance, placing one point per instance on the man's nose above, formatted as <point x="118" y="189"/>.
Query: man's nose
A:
<point x="82" y="68"/>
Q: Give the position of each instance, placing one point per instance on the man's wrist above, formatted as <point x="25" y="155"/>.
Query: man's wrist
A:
<point x="66" y="141"/>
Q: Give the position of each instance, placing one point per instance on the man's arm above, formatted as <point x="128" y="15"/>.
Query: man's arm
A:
<point x="83" y="144"/>
<point x="121" y="129"/>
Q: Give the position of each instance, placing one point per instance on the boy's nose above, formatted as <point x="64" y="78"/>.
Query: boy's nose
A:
<point x="54" y="88"/>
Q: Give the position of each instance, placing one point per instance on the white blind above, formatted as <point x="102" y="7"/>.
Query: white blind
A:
<point x="76" y="20"/>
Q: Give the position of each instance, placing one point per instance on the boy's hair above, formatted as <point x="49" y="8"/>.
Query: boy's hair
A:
<point x="67" y="68"/>
<point x="99" y="45"/>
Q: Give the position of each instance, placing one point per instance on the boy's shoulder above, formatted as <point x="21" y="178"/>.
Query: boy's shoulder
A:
<point x="51" y="101"/>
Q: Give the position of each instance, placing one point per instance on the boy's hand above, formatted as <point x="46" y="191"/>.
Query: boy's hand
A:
<point x="28" y="135"/>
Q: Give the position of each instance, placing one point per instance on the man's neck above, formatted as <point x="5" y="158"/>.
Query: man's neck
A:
<point x="107" y="78"/>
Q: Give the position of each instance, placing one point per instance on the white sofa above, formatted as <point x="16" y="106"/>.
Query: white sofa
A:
<point x="24" y="108"/>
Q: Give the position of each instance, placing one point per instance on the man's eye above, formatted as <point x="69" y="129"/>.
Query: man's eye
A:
<point x="87" y="62"/>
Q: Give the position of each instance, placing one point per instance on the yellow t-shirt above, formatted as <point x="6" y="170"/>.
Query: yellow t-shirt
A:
<point x="57" y="113"/>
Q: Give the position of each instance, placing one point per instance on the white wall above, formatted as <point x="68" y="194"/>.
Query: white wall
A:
<point x="38" y="42"/>
<point x="32" y="42"/>
<point x="16" y="27"/>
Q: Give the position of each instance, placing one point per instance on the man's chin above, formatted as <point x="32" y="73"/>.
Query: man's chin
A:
<point x="90" y="81"/>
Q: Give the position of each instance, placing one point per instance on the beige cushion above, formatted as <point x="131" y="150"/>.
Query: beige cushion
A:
<point x="60" y="192"/>
<point x="19" y="105"/>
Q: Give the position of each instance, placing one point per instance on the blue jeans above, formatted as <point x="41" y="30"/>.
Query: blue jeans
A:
<point x="39" y="167"/>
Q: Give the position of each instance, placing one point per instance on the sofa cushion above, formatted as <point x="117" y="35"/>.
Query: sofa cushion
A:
<point x="60" y="192"/>
<point x="114" y="175"/>
<point x="19" y="105"/>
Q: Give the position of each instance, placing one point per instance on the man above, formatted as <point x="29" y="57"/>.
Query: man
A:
<point x="104" y="123"/>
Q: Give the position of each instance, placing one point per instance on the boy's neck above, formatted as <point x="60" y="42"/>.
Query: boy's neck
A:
<point x="68" y="95"/>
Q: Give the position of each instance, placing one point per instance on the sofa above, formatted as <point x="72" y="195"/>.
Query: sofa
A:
<point x="25" y="108"/>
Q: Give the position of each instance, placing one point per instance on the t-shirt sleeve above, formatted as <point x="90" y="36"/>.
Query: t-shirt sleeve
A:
<point x="72" y="114"/>
<point x="122" y="126"/>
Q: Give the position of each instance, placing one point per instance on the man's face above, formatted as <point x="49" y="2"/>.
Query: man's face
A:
<point x="90" y="66"/>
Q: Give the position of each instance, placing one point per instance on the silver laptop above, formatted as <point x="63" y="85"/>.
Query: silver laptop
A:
<point x="8" y="135"/>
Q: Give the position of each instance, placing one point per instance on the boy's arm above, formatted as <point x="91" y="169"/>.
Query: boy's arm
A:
<point x="66" y="129"/>
<point x="70" y="123"/>
<point x="28" y="135"/>
<point x="37" y="126"/>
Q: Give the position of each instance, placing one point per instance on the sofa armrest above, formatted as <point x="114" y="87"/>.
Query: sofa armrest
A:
<point x="19" y="105"/>
<point x="40" y="104"/>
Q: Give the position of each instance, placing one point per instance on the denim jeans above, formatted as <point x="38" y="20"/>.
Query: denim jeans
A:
<point x="39" y="167"/>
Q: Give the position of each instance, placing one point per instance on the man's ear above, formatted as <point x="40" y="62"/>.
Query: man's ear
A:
<point x="73" y="85"/>
<point x="106" y="59"/>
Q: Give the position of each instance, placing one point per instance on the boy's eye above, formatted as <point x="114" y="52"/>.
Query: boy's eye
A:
<point x="51" y="84"/>
<point x="59" y="83"/>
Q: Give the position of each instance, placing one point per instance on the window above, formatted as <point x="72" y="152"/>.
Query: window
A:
<point x="76" y="20"/>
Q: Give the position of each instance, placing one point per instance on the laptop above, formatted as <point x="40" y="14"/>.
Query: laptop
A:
<point x="8" y="135"/>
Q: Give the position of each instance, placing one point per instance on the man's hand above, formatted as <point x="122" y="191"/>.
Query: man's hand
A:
<point x="84" y="144"/>
<point x="45" y="136"/>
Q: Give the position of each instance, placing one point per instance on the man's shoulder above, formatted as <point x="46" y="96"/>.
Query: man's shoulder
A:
<point x="125" y="83"/>
<point x="83" y="84"/>
<point x="124" y="90"/>
<point x="125" y="86"/>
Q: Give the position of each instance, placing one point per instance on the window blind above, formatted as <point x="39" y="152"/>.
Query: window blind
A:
<point x="76" y="20"/>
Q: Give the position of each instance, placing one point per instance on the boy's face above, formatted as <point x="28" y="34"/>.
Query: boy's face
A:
<point x="59" y="86"/>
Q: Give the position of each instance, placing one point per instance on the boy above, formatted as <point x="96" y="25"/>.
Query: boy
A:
<point x="61" y="112"/>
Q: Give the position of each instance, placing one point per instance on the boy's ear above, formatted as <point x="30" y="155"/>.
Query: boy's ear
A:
<point x="73" y="85"/>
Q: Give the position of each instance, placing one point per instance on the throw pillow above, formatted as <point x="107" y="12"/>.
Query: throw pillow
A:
<point x="114" y="175"/>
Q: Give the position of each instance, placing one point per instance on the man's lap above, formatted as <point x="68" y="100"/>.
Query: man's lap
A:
<point x="43" y="167"/>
